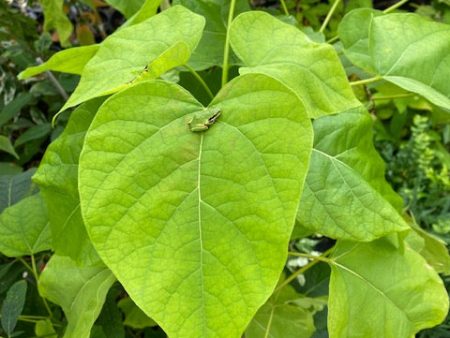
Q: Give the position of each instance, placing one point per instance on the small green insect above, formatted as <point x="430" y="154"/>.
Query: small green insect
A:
<point x="201" y="121"/>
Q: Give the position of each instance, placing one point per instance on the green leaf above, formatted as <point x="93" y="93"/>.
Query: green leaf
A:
<point x="55" y="18"/>
<point x="392" y="285"/>
<point x="7" y="147"/>
<point x="71" y="60"/>
<point x="147" y="10"/>
<point x="13" y="305"/>
<point x="15" y="187"/>
<point x="24" y="228"/>
<point x="281" y="317"/>
<point x="145" y="50"/>
<point x="57" y="177"/>
<point x="79" y="290"/>
<point x="405" y="49"/>
<point x="162" y="204"/>
<point x="34" y="133"/>
<point x="134" y="316"/>
<point x="44" y="328"/>
<point x="431" y="248"/>
<point x="267" y="45"/>
<point x="8" y="168"/>
<point x="14" y="107"/>
<point x="210" y="49"/>
<point x="346" y="195"/>
<point x="126" y="7"/>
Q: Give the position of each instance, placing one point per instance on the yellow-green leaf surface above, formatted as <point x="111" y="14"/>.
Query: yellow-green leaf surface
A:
<point x="346" y="195"/>
<point x="195" y="225"/>
<point x="70" y="60"/>
<point x="24" y="228"/>
<point x="405" y="49"/>
<point x="312" y="70"/>
<point x="57" y="176"/>
<point x="56" y="19"/>
<point x="379" y="289"/>
<point x="79" y="290"/>
<point x="147" y="10"/>
<point x="147" y="49"/>
<point x="281" y="317"/>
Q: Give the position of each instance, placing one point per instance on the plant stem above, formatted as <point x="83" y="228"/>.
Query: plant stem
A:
<point x="329" y="15"/>
<point x="365" y="81"/>
<point x="333" y="39"/>
<point x="54" y="82"/>
<point x="200" y="79"/>
<point x="226" y="53"/>
<point x="315" y="260"/>
<point x="393" y="96"/>
<point x="285" y="10"/>
<point x="165" y="4"/>
<point x="395" y="6"/>
<point x="36" y="277"/>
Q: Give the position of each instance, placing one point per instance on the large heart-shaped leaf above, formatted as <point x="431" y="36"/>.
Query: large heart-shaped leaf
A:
<point x="313" y="71"/>
<point x="24" y="228"/>
<point x="79" y="290"/>
<point x="195" y="225"/>
<point x="405" y="49"/>
<point x="390" y="284"/>
<point x="147" y="49"/>
<point x="57" y="177"/>
<point x="346" y="195"/>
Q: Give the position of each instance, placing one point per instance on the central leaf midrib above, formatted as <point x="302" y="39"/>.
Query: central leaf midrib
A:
<point x="200" y="228"/>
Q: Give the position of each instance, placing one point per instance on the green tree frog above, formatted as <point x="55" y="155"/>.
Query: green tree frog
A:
<point x="202" y="120"/>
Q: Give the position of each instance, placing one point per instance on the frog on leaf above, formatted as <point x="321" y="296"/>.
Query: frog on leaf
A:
<point x="202" y="120"/>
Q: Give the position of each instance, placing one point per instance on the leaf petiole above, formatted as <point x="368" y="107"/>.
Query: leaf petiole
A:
<point x="226" y="53"/>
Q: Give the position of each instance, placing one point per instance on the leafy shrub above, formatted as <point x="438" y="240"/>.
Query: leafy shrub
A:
<point x="186" y="198"/>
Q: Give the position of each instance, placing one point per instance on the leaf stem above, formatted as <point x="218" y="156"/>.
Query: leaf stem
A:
<point x="36" y="277"/>
<point x="315" y="260"/>
<point x="200" y="79"/>
<point x="269" y="324"/>
<point x="283" y="5"/>
<point x="395" y="6"/>
<point x="54" y="81"/>
<point x="333" y="39"/>
<point x="366" y="81"/>
<point x="329" y="15"/>
<point x="226" y="53"/>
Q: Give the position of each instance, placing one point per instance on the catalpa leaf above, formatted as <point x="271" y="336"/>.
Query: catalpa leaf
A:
<point x="405" y="49"/>
<point x="346" y="195"/>
<point x="57" y="178"/>
<point x="162" y="203"/>
<point x="70" y="60"/>
<point x="79" y="290"/>
<point x="147" y="49"/>
<point x="390" y="284"/>
<point x="147" y="10"/>
<point x="24" y="228"/>
<point x="210" y="49"/>
<point x="313" y="71"/>
<point x="281" y="317"/>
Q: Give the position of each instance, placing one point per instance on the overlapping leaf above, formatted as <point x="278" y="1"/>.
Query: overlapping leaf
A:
<point x="210" y="50"/>
<point x="346" y="195"/>
<point x="144" y="50"/>
<point x="313" y="71"/>
<point x="405" y="49"/>
<point x="24" y="228"/>
<point x="55" y="18"/>
<point x="79" y="290"/>
<point x="70" y="60"/>
<point x="57" y="177"/>
<point x="386" y="282"/>
<point x="162" y="204"/>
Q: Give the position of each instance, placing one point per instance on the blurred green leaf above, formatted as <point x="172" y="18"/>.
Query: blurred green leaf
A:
<point x="34" y="133"/>
<point x="15" y="187"/>
<point x="6" y="146"/>
<point x="13" y="305"/>
<point x="55" y="18"/>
